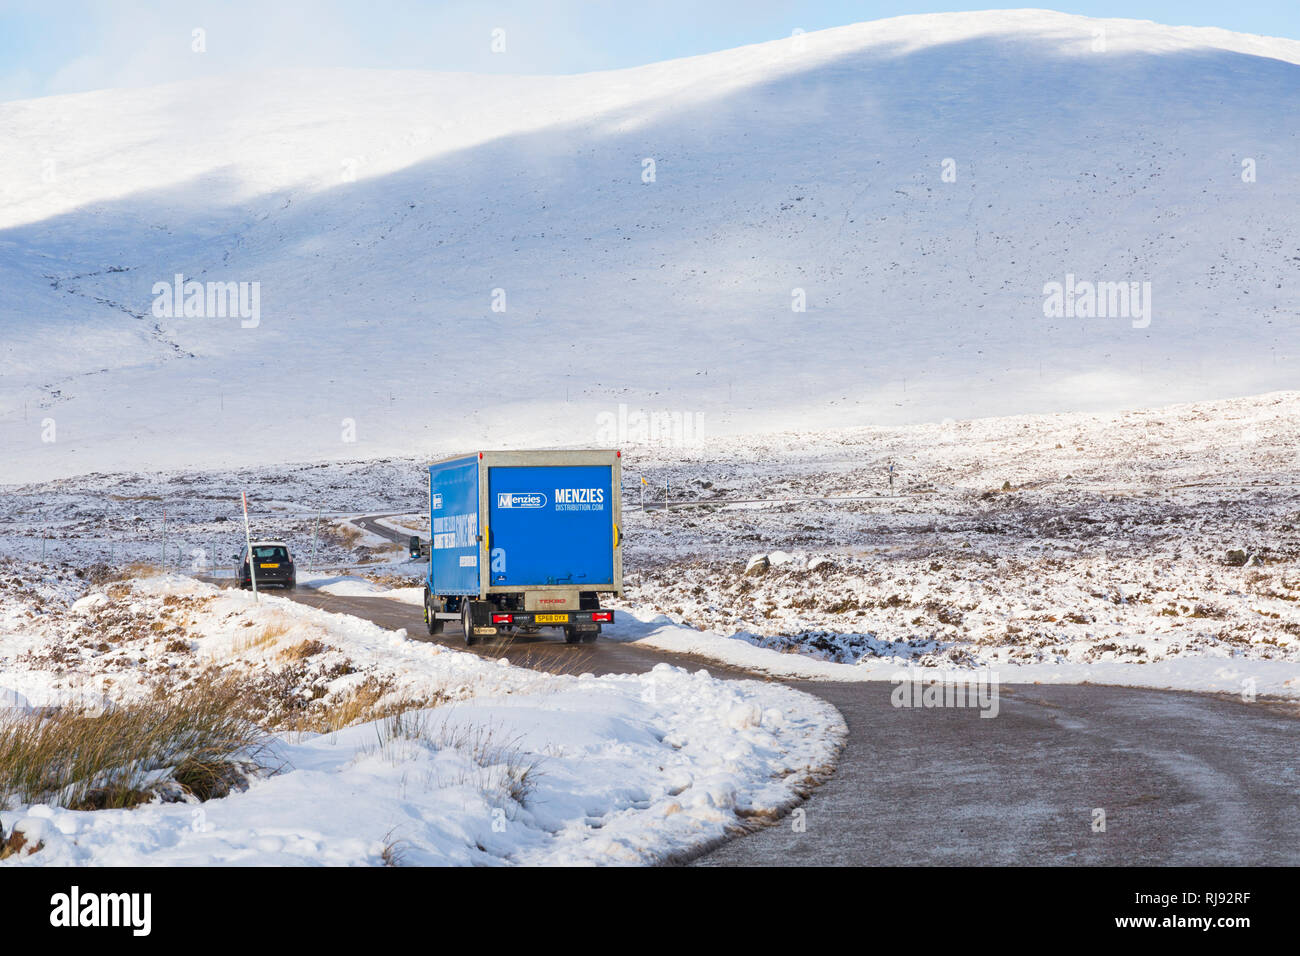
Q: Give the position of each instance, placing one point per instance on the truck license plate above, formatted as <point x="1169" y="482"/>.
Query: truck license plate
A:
<point x="552" y="619"/>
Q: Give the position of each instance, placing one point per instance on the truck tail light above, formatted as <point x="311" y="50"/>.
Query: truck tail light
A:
<point x="606" y="616"/>
<point x="503" y="618"/>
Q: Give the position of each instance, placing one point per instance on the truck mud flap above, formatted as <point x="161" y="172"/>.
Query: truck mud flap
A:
<point x="481" y="618"/>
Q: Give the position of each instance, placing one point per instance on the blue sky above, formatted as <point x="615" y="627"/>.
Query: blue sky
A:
<point x="61" y="46"/>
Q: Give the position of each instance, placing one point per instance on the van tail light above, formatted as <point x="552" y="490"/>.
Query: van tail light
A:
<point x="606" y="616"/>
<point x="503" y="618"/>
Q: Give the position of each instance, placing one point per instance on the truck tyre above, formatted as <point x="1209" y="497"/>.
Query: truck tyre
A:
<point x="465" y="623"/>
<point x="589" y="637"/>
<point x="431" y="623"/>
<point x="570" y="635"/>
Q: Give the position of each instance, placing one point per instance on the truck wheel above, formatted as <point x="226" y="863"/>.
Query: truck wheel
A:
<point x="431" y="623"/>
<point x="570" y="636"/>
<point x="465" y="625"/>
<point x="589" y="637"/>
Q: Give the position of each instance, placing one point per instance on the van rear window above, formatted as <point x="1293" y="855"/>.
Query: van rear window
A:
<point x="269" y="553"/>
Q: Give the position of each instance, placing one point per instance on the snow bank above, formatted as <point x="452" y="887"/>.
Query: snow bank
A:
<point x="522" y="766"/>
<point x="1208" y="672"/>
<point x="349" y="586"/>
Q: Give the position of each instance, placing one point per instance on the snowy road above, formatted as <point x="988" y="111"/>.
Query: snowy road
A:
<point x="1182" y="778"/>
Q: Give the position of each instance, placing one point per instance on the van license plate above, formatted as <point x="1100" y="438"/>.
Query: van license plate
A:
<point x="552" y="619"/>
<point x="268" y="565"/>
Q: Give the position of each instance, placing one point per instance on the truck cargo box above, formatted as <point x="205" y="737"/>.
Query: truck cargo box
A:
<point x="525" y="522"/>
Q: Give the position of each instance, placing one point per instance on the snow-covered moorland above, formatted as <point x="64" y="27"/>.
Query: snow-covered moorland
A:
<point x="386" y="750"/>
<point x="1155" y="547"/>
<point x="1050" y="547"/>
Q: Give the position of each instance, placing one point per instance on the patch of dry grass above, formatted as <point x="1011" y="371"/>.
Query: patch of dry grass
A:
<point x="100" y="573"/>
<point x="347" y="534"/>
<point x="389" y="580"/>
<point x="372" y="699"/>
<point x="195" y="742"/>
<point x="263" y="639"/>
<point x="303" y="650"/>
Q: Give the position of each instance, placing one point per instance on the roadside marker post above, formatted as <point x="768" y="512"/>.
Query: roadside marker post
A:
<point x="311" y="562"/>
<point x="248" y="540"/>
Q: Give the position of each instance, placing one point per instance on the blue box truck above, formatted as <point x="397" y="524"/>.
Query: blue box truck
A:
<point x="521" y="540"/>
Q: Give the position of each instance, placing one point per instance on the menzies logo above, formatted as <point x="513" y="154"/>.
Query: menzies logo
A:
<point x="579" y="499"/>
<point x="521" y="499"/>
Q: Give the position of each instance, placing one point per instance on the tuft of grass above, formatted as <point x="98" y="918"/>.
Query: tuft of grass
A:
<point x="264" y="638"/>
<point x="394" y="851"/>
<point x="303" y="650"/>
<point x="503" y="768"/>
<point x="370" y="700"/>
<point x="193" y="743"/>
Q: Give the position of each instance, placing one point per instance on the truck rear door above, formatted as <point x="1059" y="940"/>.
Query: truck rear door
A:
<point x="551" y="524"/>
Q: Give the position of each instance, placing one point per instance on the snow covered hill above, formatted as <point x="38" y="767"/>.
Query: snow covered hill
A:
<point x="918" y="182"/>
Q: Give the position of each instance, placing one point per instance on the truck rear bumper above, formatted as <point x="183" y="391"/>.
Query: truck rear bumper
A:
<point x="580" y="620"/>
